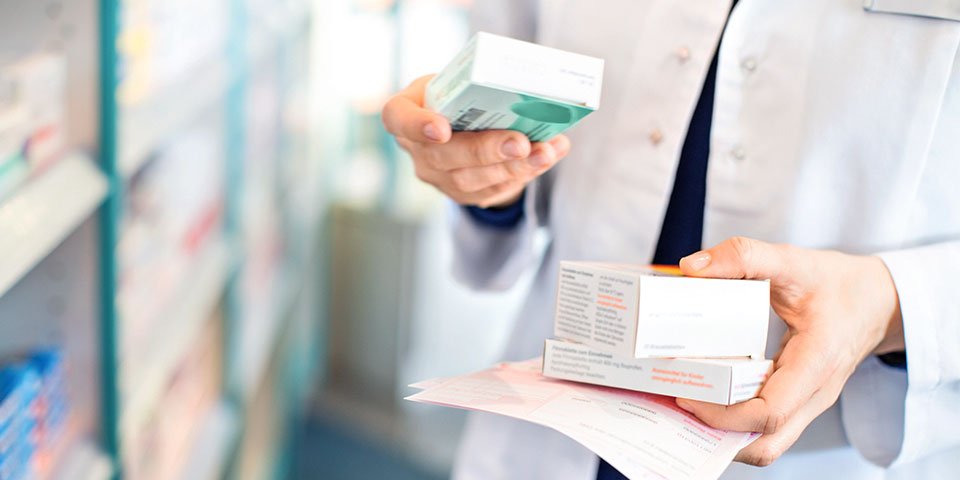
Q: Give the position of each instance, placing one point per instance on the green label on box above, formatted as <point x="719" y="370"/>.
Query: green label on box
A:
<point x="478" y="107"/>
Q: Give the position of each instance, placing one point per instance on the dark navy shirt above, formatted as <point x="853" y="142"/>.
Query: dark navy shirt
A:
<point x="504" y="218"/>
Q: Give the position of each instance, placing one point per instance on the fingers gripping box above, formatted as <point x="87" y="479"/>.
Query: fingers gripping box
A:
<point x="500" y="83"/>
<point x="716" y="380"/>
<point x="637" y="311"/>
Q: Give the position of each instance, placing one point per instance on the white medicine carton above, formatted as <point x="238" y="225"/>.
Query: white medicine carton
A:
<point x="716" y="380"/>
<point x="639" y="311"/>
<point x="502" y="83"/>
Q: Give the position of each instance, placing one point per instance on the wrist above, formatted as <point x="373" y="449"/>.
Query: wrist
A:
<point x="508" y="202"/>
<point x="893" y="339"/>
<point x="506" y="217"/>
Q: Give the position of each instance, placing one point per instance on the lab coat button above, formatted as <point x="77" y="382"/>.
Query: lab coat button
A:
<point x="682" y="53"/>
<point x="738" y="154"/>
<point x="749" y="64"/>
<point x="656" y="136"/>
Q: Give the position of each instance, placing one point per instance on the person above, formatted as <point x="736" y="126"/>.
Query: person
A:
<point x="810" y="143"/>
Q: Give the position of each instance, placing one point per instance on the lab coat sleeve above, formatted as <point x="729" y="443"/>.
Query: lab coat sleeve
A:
<point x="490" y="258"/>
<point x="892" y="416"/>
<point x="512" y="18"/>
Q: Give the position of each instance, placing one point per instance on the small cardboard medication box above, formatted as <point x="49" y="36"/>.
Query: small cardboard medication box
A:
<point x="638" y="311"/>
<point x="33" y="92"/>
<point x="500" y="83"/>
<point x="716" y="380"/>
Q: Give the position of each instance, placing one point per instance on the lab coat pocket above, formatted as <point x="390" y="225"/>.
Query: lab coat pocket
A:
<point x="939" y="9"/>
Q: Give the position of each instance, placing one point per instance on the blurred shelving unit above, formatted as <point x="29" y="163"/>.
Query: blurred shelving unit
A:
<point x="258" y="345"/>
<point x="196" y="298"/>
<point x="151" y="121"/>
<point x="248" y="264"/>
<point x="41" y="214"/>
<point x="215" y="442"/>
<point x="388" y="235"/>
<point x="159" y="217"/>
<point x="85" y="462"/>
<point x="51" y="190"/>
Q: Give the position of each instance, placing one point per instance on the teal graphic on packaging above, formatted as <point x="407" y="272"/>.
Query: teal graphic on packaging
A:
<point x="501" y="83"/>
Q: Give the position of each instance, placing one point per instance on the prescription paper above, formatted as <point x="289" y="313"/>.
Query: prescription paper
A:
<point x="642" y="435"/>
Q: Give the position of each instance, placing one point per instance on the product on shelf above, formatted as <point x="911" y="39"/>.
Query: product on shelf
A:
<point x="265" y="428"/>
<point x="52" y="405"/>
<point x="19" y="385"/>
<point x="32" y="116"/>
<point x="174" y="208"/>
<point x="164" y="41"/>
<point x="161" y="446"/>
<point x="34" y="409"/>
<point x="260" y="211"/>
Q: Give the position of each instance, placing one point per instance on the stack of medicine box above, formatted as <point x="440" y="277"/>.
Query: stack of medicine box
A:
<point x="651" y="329"/>
<point x="33" y="412"/>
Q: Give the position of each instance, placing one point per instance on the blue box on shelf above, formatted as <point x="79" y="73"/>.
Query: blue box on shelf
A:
<point x="19" y="430"/>
<point x="17" y="462"/>
<point x="19" y="386"/>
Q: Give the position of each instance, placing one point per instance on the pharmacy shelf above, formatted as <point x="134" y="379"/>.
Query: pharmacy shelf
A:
<point x="258" y="348"/>
<point x="213" y="444"/>
<point x="133" y="383"/>
<point x="281" y="19"/>
<point x="145" y="125"/>
<point x="275" y="27"/>
<point x="38" y="217"/>
<point x="194" y="303"/>
<point x="84" y="462"/>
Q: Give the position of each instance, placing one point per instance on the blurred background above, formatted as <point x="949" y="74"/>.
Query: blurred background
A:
<point x="215" y="262"/>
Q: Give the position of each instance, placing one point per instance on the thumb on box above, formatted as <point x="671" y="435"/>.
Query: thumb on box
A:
<point x="740" y="257"/>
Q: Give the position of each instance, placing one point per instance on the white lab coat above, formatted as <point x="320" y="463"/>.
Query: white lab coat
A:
<point x="834" y="128"/>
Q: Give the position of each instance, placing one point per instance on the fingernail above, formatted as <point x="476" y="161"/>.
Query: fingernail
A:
<point x="511" y="148"/>
<point x="683" y="404"/>
<point x="538" y="160"/>
<point x="697" y="261"/>
<point x="432" y="132"/>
